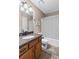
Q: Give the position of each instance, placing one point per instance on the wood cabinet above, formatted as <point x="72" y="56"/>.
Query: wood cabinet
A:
<point x="23" y="49"/>
<point x="38" y="50"/>
<point x="33" y="43"/>
<point x="28" y="54"/>
<point x="31" y="53"/>
<point x="31" y="50"/>
<point x="25" y="56"/>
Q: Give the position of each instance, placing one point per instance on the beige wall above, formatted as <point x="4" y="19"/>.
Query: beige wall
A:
<point x="37" y="15"/>
<point x="20" y="22"/>
<point x="52" y="14"/>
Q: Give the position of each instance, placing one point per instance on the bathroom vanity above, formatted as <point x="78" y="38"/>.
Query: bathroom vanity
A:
<point x="30" y="48"/>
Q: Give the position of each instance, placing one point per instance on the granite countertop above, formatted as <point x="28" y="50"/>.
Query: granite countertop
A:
<point x="24" y="41"/>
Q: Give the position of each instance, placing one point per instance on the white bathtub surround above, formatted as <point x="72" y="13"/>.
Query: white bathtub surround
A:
<point x="50" y="26"/>
<point x="53" y="42"/>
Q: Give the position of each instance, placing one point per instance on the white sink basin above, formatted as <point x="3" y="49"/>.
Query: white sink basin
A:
<point x="27" y="37"/>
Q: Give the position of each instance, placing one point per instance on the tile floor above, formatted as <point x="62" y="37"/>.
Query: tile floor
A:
<point x="50" y="53"/>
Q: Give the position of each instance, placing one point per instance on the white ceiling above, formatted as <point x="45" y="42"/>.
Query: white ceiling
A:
<point x="48" y="6"/>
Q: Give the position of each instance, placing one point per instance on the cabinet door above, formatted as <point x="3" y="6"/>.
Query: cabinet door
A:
<point x="28" y="55"/>
<point x="24" y="56"/>
<point x="31" y="53"/>
<point x="38" y="50"/>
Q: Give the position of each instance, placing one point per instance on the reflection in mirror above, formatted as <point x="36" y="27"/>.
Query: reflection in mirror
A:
<point x="25" y="22"/>
<point x="25" y="18"/>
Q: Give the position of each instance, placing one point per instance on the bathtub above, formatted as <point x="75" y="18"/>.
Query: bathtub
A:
<point x="50" y="41"/>
<point x="53" y="42"/>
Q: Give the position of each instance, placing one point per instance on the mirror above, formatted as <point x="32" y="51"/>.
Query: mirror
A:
<point x="25" y="17"/>
<point x="25" y="23"/>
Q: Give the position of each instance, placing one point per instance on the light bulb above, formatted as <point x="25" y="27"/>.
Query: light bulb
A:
<point x="25" y="6"/>
<point x="27" y="11"/>
<point x="22" y="8"/>
<point x="30" y="9"/>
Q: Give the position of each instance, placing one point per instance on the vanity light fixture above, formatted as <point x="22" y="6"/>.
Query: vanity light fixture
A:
<point x="24" y="7"/>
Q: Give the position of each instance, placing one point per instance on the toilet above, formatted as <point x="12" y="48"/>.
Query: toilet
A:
<point x="44" y="43"/>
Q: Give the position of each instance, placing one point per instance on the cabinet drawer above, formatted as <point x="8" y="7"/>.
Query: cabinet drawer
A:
<point x="32" y="43"/>
<point x="23" y="49"/>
